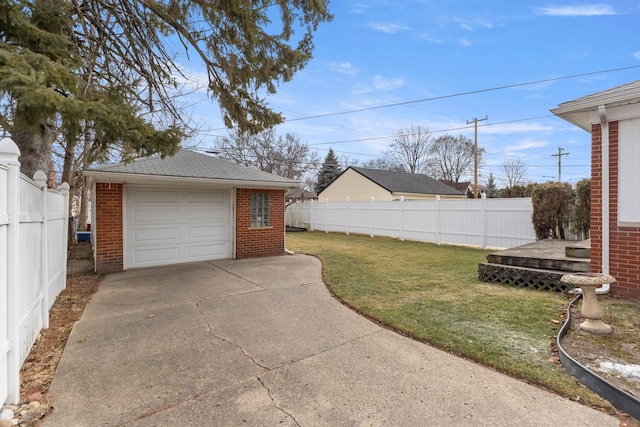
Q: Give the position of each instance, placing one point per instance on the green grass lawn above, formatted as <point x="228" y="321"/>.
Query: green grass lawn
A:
<point x="432" y="293"/>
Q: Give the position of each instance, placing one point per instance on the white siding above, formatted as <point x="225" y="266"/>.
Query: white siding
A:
<point x="354" y="186"/>
<point x="628" y="171"/>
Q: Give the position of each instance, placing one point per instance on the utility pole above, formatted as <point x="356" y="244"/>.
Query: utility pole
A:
<point x="559" y="156"/>
<point x="475" y="153"/>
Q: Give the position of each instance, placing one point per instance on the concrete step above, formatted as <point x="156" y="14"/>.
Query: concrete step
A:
<point x="579" y="249"/>
<point x="567" y="265"/>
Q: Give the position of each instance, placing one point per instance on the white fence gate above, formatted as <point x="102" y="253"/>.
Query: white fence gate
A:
<point x="33" y="262"/>
<point x="485" y="223"/>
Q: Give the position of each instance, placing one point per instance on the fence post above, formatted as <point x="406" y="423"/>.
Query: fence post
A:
<point x="311" y="216"/>
<point x="371" y="217"/>
<point x="326" y="214"/>
<point x="484" y="220"/>
<point x="438" y="219"/>
<point x="64" y="190"/>
<point x="347" y="223"/>
<point x="9" y="153"/>
<point x="40" y="178"/>
<point x="402" y="218"/>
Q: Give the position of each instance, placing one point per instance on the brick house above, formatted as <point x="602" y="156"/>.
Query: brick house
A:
<point x="189" y="207"/>
<point x="613" y="119"/>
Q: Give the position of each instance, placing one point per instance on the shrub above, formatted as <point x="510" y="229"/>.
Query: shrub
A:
<point x="550" y="209"/>
<point x="581" y="210"/>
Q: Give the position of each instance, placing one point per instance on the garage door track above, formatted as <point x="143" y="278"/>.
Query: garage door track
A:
<point x="261" y="342"/>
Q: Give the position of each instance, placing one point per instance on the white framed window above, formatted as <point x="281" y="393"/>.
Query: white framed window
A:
<point x="259" y="210"/>
<point x="628" y="172"/>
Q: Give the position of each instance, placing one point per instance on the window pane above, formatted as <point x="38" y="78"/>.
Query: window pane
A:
<point x="259" y="210"/>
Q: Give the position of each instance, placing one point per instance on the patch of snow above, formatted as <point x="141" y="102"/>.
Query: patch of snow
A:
<point x="631" y="372"/>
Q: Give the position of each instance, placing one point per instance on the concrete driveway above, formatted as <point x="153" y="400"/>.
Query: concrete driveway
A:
<point x="261" y="342"/>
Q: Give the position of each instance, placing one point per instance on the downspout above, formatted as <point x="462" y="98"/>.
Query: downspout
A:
<point x="604" y="130"/>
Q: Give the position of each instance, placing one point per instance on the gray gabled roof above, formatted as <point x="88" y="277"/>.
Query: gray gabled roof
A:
<point x="190" y="165"/>
<point x="402" y="182"/>
<point x="578" y="110"/>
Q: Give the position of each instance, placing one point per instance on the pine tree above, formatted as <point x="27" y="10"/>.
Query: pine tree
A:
<point x="491" y="190"/>
<point x="108" y="66"/>
<point x="330" y="171"/>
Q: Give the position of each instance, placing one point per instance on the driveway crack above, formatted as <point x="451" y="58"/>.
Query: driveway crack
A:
<point x="239" y="347"/>
<point x="275" y="405"/>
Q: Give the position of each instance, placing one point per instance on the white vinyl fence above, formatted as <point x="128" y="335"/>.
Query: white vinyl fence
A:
<point x="484" y="223"/>
<point x="33" y="262"/>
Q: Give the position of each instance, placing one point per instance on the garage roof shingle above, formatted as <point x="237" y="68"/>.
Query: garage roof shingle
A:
<point x="189" y="164"/>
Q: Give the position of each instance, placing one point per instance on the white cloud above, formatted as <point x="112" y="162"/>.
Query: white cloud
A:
<point x="431" y="38"/>
<point x="343" y="68"/>
<point x="359" y="8"/>
<point x="464" y="42"/>
<point x="584" y="10"/>
<point x="510" y="128"/>
<point x="388" y="27"/>
<point x="472" y="25"/>
<point x="196" y="81"/>
<point x="522" y="147"/>
<point x="637" y="55"/>
<point x="383" y="84"/>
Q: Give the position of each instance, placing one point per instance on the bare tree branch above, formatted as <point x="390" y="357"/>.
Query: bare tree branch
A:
<point x="410" y="148"/>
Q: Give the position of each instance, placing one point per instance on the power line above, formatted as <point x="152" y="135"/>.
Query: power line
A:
<point x="434" y="131"/>
<point x="472" y="92"/>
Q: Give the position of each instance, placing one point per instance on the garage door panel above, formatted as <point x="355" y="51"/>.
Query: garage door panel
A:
<point x="154" y="197"/>
<point x="183" y="225"/>
<point x="146" y="215"/>
<point x="148" y="257"/>
<point x="206" y="232"/>
<point x="156" y="234"/>
<point x="206" y="198"/>
<point x="205" y="214"/>
<point x="198" y="252"/>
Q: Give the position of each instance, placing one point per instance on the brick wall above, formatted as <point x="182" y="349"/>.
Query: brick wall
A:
<point x="624" y="245"/>
<point x="108" y="228"/>
<point x="264" y="241"/>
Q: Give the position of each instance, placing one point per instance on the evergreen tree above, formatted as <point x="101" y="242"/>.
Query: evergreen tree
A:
<point x="491" y="190"/>
<point x="109" y="66"/>
<point x="330" y="171"/>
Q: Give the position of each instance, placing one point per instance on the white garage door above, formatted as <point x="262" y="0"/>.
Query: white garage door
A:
<point x="174" y="225"/>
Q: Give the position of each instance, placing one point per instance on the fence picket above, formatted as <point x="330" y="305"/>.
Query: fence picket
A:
<point x="484" y="223"/>
<point x="33" y="269"/>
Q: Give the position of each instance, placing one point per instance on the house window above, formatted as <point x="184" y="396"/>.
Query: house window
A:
<point x="259" y="210"/>
<point x="628" y="171"/>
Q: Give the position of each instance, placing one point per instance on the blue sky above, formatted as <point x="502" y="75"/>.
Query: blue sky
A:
<point x="376" y="53"/>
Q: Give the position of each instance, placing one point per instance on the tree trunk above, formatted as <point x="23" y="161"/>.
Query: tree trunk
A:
<point x="35" y="144"/>
<point x="86" y="191"/>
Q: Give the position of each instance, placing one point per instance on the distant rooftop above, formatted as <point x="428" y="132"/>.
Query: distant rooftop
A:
<point x="402" y="182"/>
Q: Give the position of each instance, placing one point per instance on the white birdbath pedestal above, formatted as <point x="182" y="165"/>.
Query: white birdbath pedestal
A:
<point x="591" y="310"/>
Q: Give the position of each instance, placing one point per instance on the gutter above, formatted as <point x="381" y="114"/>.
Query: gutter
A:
<point x="604" y="130"/>
<point x="141" y="179"/>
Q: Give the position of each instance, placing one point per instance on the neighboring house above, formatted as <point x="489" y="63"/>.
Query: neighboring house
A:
<point x="465" y="187"/>
<point x="360" y="184"/>
<point x="300" y="195"/>
<point x="613" y="119"/>
<point x="189" y="207"/>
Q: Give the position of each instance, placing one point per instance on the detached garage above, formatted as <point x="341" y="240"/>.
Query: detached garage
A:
<point x="189" y="207"/>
